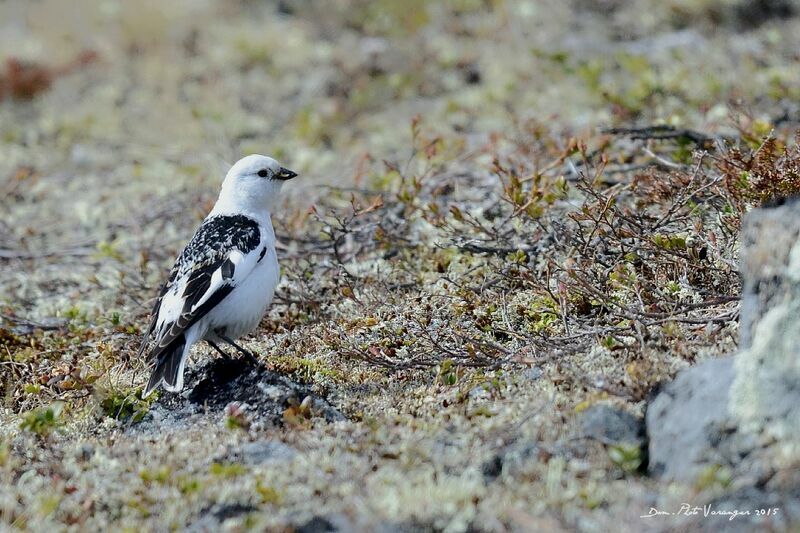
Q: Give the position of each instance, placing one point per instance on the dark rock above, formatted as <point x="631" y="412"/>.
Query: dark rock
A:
<point x="686" y="420"/>
<point x="753" y="13"/>
<point x="472" y="74"/>
<point x="223" y="512"/>
<point x="492" y="468"/>
<point x="611" y="426"/>
<point x="211" y="518"/>
<point x="285" y="7"/>
<point x="739" y="14"/>
<point x="317" y="524"/>
<point x="264" y="395"/>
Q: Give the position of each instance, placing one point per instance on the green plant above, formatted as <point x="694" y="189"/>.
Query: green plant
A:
<point x="44" y="420"/>
<point x="626" y="456"/>
<point x="160" y="475"/>
<point x="268" y="494"/>
<point x="714" y="476"/>
<point x="124" y="404"/>
<point x="448" y="373"/>
<point x="236" y="417"/>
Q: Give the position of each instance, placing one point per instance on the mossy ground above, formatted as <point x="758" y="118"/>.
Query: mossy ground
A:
<point x="468" y="261"/>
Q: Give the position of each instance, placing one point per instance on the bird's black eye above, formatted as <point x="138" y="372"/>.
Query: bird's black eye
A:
<point x="262" y="173"/>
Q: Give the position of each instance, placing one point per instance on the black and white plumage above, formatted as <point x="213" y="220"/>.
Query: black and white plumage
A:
<point x="223" y="281"/>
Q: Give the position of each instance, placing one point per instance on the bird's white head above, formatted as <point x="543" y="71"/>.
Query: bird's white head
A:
<point x="252" y="185"/>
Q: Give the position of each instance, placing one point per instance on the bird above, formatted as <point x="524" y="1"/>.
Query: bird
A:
<point x="224" y="279"/>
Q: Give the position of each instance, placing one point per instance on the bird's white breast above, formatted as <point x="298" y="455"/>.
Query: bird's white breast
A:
<point x="241" y="311"/>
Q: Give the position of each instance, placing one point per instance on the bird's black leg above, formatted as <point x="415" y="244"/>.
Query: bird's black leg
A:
<point x="219" y="350"/>
<point x="249" y="356"/>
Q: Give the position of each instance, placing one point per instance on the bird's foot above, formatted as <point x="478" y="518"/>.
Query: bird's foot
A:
<point x="220" y="351"/>
<point x="252" y="359"/>
<point x="246" y="354"/>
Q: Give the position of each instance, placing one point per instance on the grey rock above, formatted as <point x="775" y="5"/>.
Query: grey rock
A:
<point x="533" y="373"/>
<point x="611" y="426"/>
<point x="514" y="461"/>
<point x="765" y="396"/>
<point x="742" y="412"/>
<point x="769" y="240"/>
<point x="687" y="420"/>
<point x="389" y="527"/>
<point x="263" y="452"/>
<point x="479" y="393"/>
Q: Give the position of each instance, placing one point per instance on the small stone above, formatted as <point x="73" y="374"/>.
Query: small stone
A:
<point x="85" y="452"/>
<point x="479" y="393"/>
<point x="532" y="373"/>
<point x="317" y="524"/>
<point x="492" y="468"/>
<point x="611" y="426"/>
<point x="265" y="451"/>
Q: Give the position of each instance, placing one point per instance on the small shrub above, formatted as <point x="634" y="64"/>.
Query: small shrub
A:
<point x="126" y="404"/>
<point x="755" y="177"/>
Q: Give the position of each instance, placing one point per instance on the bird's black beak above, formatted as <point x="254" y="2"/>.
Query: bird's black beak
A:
<point x="285" y="174"/>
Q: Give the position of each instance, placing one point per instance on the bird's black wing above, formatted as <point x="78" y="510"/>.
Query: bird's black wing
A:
<point x="223" y="244"/>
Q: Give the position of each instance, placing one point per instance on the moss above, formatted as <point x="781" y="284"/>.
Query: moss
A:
<point x="5" y="453"/>
<point x="269" y="495"/>
<point x="714" y="477"/>
<point x="188" y="485"/>
<point x="227" y="470"/>
<point x="306" y="370"/>
<point x="160" y="475"/>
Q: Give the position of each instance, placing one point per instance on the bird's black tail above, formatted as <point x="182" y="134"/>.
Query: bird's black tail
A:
<point x="168" y="367"/>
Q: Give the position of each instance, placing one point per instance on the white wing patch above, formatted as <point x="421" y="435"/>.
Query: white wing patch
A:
<point x="240" y="271"/>
<point x="171" y="307"/>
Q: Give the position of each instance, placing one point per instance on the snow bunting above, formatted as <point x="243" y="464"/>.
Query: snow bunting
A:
<point x="224" y="280"/>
